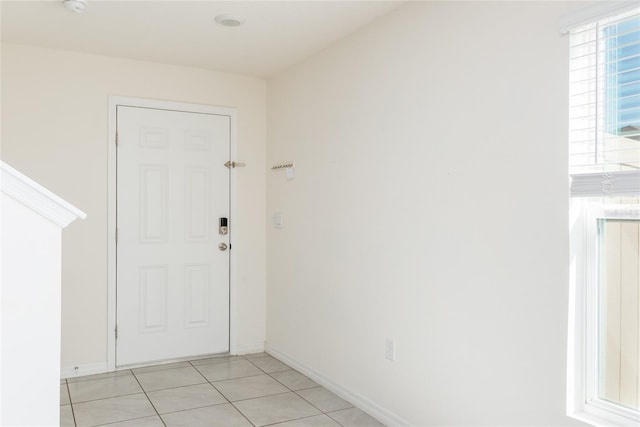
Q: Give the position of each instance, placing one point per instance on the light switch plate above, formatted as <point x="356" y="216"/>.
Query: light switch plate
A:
<point x="390" y="349"/>
<point x="278" y="220"/>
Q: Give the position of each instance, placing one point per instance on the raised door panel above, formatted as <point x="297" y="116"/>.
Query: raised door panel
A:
<point x="172" y="281"/>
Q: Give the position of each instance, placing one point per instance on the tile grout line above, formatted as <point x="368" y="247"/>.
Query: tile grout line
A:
<point x="333" y="419"/>
<point x="328" y="413"/>
<point x="242" y="413"/>
<point x="243" y="400"/>
<point x="73" y="413"/>
<point x="173" y="388"/>
<point x="269" y="373"/>
<point x="298" y="419"/>
<point x="290" y="391"/>
<point x="302" y="397"/>
<point x="311" y="403"/>
<point x="147" y="396"/>
<point x="108" y="397"/>
<point x="150" y="369"/>
<point x="227" y="399"/>
<point x="229" y="379"/>
<point x="296" y="391"/>
<point x="186" y="364"/>
<point x="280" y="382"/>
<point x="223" y="396"/>
<point x="236" y="378"/>
<point x="258" y="397"/>
<point x="126" y="421"/>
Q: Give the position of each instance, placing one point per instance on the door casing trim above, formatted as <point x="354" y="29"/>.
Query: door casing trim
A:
<point x="114" y="102"/>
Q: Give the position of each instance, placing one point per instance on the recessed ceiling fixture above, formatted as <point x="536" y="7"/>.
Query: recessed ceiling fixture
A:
<point x="228" y="20"/>
<point x="75" y="5"/>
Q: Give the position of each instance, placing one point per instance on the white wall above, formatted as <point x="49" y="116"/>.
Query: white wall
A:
<point x="54" y="129"/>
<point x="430" y="207"/>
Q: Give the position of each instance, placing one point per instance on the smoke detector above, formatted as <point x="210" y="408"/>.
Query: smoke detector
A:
<point x="76" y="6"/>
<point x="228" y="20"/>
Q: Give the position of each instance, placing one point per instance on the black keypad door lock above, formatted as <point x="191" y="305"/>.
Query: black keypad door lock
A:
<point x="223" y="226"/>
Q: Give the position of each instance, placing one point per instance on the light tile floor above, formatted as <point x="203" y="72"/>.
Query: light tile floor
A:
<point x="251" y="390"/>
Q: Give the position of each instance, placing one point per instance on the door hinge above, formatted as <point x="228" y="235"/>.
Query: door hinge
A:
<point x="231" y="164"/>
<point x="116" y="235"/>
<point x="116" y="331"/>
<point x="116" y="138"/>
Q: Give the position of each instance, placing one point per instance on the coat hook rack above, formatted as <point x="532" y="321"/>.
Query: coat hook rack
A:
<point x="282" y="166"/>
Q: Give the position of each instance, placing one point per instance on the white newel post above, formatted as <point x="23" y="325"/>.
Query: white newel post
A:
<point x="32" y="223"/>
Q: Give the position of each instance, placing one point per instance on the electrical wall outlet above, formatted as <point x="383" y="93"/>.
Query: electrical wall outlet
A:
<point x="391" y="349"/>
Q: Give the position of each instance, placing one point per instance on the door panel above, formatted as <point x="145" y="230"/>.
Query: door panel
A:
<point x="172" y="280"/>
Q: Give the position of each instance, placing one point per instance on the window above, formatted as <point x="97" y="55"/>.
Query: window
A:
<point x="622" y="71"/>
<point x="604" y="76"/>
<point x="604" y="166"/>
<point x="618" y="250"/>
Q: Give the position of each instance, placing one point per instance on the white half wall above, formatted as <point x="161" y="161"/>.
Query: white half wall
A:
<point x="32" y="219"/>
<point x="429" y="207"/>
<point x="30" y="316"/>
<point x="54" y="129"/>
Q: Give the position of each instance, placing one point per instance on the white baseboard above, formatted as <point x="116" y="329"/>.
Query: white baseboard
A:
<point x="80" y="370"/>
<point x="248" y="349"/>
<point x="367" y="405"/>
<point x="101" y="368"/>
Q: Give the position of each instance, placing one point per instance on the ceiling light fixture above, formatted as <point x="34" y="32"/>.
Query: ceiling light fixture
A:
<point x="76" y="6"/>
<point x="228" y="20"/>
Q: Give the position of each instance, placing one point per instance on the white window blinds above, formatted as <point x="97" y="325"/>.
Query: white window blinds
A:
<point x="604" y="129"/>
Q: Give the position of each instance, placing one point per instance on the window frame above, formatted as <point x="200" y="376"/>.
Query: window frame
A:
<point x="583" y="401"/>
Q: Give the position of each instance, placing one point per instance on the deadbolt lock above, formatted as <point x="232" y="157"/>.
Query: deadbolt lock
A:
<point x="223" y="226"/>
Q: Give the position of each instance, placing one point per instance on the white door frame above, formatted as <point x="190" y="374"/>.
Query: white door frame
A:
<point x="114" y="102"/>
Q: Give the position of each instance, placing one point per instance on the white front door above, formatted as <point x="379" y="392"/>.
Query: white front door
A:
<point x="172" y="290"/>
